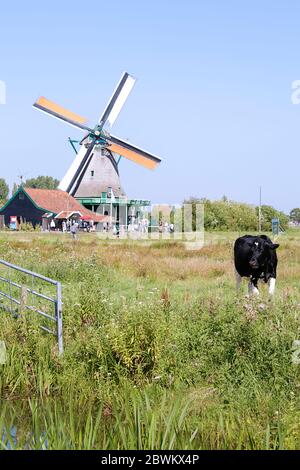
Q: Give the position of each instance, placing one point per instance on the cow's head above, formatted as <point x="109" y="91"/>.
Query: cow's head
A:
<point x="261" y="251"/>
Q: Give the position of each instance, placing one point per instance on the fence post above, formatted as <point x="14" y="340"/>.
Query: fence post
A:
<point x="59" y="318"/>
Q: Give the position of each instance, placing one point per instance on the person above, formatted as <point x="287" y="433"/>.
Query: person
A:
<point x="146" y="225"/>
<point x="74" y="230"/>
<point x="52" y="225"/>
<point x="64" y="226"/>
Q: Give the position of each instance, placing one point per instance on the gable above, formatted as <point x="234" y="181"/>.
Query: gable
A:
<point x="21" y="205"/>
<point x="20" y="200"/>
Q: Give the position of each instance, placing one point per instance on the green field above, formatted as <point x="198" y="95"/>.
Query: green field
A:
<point x="160" y="353"/>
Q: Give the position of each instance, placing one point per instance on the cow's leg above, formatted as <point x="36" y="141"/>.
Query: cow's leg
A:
<point x="272" y="282"/>
<point x="252" y="289"/>
<point x="238" y="280"/>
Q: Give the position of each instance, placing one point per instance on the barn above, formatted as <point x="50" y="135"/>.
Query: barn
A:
<point x="40" y="206"/>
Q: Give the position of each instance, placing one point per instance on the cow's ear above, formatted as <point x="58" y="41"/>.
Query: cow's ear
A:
<point x="273" y="246"/>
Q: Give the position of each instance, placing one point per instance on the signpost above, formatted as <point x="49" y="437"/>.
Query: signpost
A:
<point x="275" y="226"/>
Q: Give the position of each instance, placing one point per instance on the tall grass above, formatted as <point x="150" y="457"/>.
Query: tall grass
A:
<point x="159" y="351"/>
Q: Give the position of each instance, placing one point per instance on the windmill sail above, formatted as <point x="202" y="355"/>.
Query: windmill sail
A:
<point x="133" y="153"/>
<point x="57" y="111"/>
<point x="117" y="100"/>
<point x="67" y="179"/>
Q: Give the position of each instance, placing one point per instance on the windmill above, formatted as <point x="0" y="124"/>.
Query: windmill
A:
<point x="95" y="167"/>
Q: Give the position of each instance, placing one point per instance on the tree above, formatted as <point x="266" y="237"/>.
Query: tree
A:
<point x="295" y="215"/>
<point x="4" y="190"/>
<point x="15" y="188"/>
<point x="42" y="182"/>
<point x="238" y="216"/>
<point x="268" y="213"/>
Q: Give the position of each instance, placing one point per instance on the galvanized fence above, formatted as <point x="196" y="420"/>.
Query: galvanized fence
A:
<point x="23" y="292"/>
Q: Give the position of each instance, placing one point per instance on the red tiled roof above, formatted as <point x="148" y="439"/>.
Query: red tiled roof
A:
<point x="55" y="200"/>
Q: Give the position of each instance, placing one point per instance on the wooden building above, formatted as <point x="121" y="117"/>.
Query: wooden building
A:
<point x="40" y="206"/>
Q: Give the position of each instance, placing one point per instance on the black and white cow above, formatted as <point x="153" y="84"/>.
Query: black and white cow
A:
<point x="255" y="257"/>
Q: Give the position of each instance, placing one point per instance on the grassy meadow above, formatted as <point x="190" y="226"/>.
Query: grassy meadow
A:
<point x="160" y="352"/>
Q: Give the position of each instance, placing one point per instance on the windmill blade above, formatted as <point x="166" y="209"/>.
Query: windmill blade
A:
<point x="133" y="153"/>
<point x="117" y="100"/>
<point x="81" y="168"/>
<point x="57" y="111"/>
<point x="70" y="177"/>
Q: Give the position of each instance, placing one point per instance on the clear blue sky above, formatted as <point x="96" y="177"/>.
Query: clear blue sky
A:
<point x="213" y="96"/>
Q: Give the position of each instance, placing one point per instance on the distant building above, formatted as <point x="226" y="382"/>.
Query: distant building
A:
<point x="40" y="206"/>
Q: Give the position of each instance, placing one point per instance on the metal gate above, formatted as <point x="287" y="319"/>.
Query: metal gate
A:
<point x="23" y="291"/>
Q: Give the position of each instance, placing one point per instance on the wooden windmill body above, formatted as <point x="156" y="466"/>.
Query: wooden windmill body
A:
<point x="100" y="176"/>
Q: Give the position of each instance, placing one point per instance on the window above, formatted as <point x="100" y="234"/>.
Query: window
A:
<point x="92" y="173"/>
<point x="21" y="195"/>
